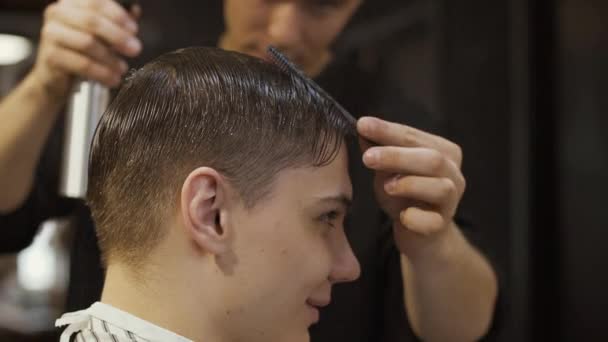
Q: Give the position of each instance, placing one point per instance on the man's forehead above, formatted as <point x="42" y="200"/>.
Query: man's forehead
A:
<point x="317" y="182"/>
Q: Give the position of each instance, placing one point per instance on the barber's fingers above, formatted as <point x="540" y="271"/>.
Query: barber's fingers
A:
<point x="110" y="9"/>
<point x="136" y="11"/>
<point x="58" y="57"/>
<point x="394" y="134"/>
<point x="107" y="27"/>
<point x="86" y="45"/>
<point x="422" y="221"/>
<point x="419" y="161"/>
<point x="440" y="193"/>
<point x="86" y="38"/>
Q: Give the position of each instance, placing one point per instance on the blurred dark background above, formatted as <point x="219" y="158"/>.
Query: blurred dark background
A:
<point x="521" y="86"/>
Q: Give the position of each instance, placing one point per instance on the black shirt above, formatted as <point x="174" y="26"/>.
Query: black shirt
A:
<point x="369" y="309"/>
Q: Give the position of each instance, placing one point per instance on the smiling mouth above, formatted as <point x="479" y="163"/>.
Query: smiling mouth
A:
<point x="318" y="303"/>
<point x="315" y="313"/>
<point x="315" y="306"/>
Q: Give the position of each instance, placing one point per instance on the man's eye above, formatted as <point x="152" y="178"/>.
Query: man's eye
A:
<point x="330" y="218"/>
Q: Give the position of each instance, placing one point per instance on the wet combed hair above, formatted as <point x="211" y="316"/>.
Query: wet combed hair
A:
<point x="196" y="107"/>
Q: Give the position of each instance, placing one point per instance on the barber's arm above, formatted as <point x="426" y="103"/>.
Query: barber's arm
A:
<point x="78" y="38"/>
<point x="450" y="288"/>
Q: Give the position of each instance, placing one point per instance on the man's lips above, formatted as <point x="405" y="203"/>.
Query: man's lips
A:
<point x="318" y="302"/>
<point x="315" y="305"/>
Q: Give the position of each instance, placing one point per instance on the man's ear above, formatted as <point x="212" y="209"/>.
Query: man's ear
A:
<point x="203" y="201"/>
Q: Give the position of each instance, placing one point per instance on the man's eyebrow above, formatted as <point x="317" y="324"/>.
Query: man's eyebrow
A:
<point x="343" y="199"/>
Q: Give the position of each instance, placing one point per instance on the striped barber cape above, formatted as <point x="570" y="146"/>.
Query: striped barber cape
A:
<point x="105" y="323"/>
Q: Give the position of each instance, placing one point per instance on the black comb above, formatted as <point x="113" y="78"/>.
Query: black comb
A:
<point x="287" y="66"/>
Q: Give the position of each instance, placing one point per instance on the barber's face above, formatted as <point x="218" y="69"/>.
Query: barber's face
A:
<point x="303" y="29"/>
<point x="290" y="249"/>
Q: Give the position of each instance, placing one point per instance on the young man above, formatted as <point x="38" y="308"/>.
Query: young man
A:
<point x="218" y="186"/>
<point x="420" y="275"/>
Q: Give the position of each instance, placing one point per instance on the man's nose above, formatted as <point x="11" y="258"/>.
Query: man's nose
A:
<point x="345" y="266"/>
<point x="285" y="28"/>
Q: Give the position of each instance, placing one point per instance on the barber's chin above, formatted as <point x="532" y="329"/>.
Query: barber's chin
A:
<point x="299" y="62"/>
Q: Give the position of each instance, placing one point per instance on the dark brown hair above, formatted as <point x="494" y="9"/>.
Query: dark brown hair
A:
<point x="195" y="107"/>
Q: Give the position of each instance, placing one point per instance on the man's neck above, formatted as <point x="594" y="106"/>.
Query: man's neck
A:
<point x="160" y="301"/>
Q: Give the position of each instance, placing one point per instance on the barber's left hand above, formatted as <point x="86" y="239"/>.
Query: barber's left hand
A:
<point x="418" y="180"/>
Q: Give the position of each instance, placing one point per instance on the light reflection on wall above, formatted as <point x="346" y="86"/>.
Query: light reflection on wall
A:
<point x="14" y="49"/>
<point x="38" y="264"/>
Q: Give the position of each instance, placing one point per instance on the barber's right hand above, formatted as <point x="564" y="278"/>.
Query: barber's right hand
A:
<point x="88" y="39"/>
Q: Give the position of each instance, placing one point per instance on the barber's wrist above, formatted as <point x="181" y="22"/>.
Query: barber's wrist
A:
<point x="48" y="88"/>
